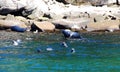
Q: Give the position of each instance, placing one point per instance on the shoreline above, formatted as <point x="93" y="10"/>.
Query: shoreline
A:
<point x="11" y="35"/>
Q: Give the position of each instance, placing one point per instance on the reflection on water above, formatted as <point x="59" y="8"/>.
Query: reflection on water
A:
<point x="95" y="53"/>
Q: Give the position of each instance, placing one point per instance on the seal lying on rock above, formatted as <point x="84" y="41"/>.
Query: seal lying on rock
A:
<point x="18" y="29"/>
<point x="70" y="34"/>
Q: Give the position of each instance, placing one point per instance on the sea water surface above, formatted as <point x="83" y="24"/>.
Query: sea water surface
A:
<point x="97" y="52"/>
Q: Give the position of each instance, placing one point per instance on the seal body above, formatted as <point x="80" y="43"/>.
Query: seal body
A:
<point x="18" y="29"/>
<point x="71" y="34"/>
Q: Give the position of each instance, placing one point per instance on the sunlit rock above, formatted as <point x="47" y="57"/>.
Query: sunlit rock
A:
<point x="105" y="25"/>
<point x="11" y="21"/>
<point x="43" y="26"/>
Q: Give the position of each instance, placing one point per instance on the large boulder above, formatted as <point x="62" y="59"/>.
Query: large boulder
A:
<point x="109" y="25"/>
<point x="43" y="26"/>
<point x="11" y="21"/>
<point x="7" y="6"/>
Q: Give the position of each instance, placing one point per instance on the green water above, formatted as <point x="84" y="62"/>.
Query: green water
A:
<point x="98" y="52"/>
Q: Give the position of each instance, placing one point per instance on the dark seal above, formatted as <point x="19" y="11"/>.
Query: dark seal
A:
<point x="70" y="34"/>
<point x="18" y="29"/>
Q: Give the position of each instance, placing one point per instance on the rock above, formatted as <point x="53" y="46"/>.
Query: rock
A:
<point x="43" y="26"/>
<point x="20" y="18"/>
<point x="36" y="14"/>
<point x="104" y="25"/>
<point x="7" y="6"/>
<point x="62" y="1"/>
<point x="2" y="17"/>
<point x="35" y="8"/>
<point x="11" y="21"/>
<point x="94" y="2"/>
<point x="76" y="24"/>
<point x="23" y="19"/>
<point x="106" y="16"/>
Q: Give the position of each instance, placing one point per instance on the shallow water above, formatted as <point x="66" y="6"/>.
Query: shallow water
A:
<point x="97" y="52"/>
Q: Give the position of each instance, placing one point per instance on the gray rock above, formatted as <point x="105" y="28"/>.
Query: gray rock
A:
<point x="74" y="24"/>
<point x="7" y="6"/>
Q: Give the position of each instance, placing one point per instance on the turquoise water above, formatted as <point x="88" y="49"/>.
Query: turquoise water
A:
<point x="97" y="52"/>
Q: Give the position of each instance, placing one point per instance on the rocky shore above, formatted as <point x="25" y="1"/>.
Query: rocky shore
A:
<point x="33" y="16"/>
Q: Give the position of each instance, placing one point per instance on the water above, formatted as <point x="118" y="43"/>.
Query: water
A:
<point x="98" y="52"/>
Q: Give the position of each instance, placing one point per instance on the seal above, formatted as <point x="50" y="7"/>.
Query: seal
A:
<point x="18" y="29"/>
<point x="39" y="50"/>
<point x="15" y="43"/>
<point x="72" y="50"/>
<point x="70" y="34"/>
<point x="64" y="44"/>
